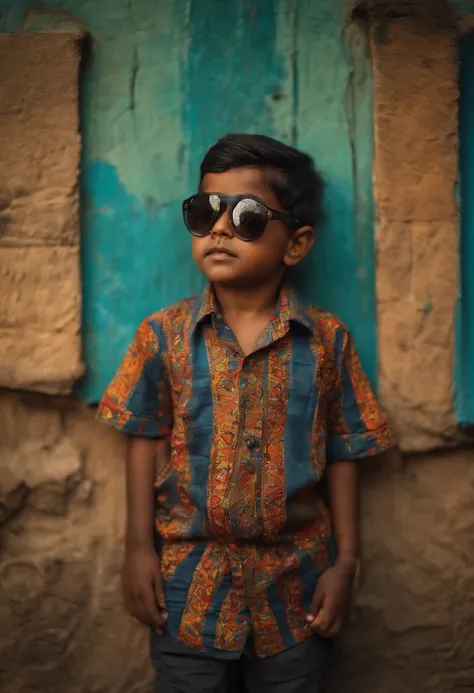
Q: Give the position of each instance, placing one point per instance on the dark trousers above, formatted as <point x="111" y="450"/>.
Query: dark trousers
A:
<point x="181" y="669"/>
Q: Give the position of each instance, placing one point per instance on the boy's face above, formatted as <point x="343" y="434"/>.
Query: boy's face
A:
<point x="247" y="263"/>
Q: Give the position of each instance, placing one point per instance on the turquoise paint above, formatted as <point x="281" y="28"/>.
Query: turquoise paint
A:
<point x="334" y="123"/>
<point x="464" y="368"/>
<point x="127" y="247"/>
<point x="12" y="14"/>
<point x="165" y="80"/>
<point x="322" y="82"/>
<point x="462" y="6"/>
<point x="229" y="82"/>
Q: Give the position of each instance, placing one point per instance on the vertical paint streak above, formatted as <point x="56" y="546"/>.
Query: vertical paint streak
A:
<point x="12" y="15"/>
<point x="231" y="77"/>
<point x="136" y="255"/>
<point x="282" y="101"/>
<point x="359" y="104"/>
<point x="339" y="274"/>
<point x="464" y="355"/>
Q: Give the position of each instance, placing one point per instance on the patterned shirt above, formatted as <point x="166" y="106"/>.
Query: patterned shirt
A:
<point x="245" y="531"/>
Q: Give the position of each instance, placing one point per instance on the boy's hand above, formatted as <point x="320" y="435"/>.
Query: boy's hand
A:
<point x="143" y="589"/>
<point x="331" y="599"/>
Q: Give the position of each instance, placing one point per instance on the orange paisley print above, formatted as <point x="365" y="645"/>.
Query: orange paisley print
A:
<point x="243" y="529"/>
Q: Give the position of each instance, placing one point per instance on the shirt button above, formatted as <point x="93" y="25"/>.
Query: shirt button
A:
<point x="252" y="443"/>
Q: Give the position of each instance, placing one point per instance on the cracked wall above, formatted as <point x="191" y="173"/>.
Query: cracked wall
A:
<point x="417" y="229"/>
<point x="156" y="93"/>
<point x="62" y="496"/>
<point x="40" y="287"/>
<point x="61" y="474"/>
<point x="62" y="499"/>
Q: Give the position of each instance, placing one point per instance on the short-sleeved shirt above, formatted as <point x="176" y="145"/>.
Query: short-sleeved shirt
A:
<point x="245" y="531"/>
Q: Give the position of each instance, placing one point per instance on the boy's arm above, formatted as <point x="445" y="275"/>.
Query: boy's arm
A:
<point x="334" y="587"/>
<point x="138" y="403"/>
<point x="142" y="584"/>
<point x="140" y="478"/>
<point x="356" y="428"/>
<point x="343" y="485"/>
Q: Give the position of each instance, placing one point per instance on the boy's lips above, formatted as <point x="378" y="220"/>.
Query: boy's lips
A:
<point x="219" y="250"/>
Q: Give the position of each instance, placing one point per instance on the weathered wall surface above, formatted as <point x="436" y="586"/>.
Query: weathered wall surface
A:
<point x="415" y="179"/>
<point x="63" y="491"/>
<point x="40" y="288"/>
<point x="62" y="626"/>
<point x="157" y="92"/>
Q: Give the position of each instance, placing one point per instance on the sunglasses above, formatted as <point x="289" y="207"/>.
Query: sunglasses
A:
<point x="248" y="215"/>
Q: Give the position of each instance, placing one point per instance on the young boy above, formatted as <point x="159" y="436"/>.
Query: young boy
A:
<point x="262" y="398"/>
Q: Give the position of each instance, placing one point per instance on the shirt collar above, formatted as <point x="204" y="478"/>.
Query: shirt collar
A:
<point x="206" y="305"/>
<point x="290" y="308"/>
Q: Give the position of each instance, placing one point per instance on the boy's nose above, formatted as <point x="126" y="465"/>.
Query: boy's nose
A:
<point x="222" y="227"/>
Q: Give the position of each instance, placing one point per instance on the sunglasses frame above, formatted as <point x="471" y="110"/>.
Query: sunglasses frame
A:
<point x="231" y="202"/>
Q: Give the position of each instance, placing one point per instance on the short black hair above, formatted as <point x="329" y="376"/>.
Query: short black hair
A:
<point x="292" y="174"/>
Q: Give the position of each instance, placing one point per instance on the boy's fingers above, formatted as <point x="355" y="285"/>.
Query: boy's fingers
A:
<point x="137" y="610"/>
<point x="320" y="622"/>
<point x="153" y="615"/>
<point x="159" y="595"/>
<point x="326" y="619"/>
<point x="316" y="606"/>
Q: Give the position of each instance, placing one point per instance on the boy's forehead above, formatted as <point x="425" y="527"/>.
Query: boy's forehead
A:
<point x="239" y="181"/>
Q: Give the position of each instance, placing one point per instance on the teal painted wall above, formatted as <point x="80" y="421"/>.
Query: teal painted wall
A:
<point x="164" y="81"/>
<point x="462" y="6"/>
<point x="464" y="373"/>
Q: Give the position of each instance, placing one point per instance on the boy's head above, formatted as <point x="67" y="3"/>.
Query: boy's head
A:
<point x="258" y="204"/>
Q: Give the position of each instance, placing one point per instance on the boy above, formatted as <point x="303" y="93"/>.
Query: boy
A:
<point x="262" y="397"/>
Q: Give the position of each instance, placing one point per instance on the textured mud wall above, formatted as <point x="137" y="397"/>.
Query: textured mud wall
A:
<point x="62" y="626"/>
<point x="40" y="292"/>
<point x="415" y="178"/>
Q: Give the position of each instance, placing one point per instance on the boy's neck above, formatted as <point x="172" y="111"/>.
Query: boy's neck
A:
<point x="257" y="300"/>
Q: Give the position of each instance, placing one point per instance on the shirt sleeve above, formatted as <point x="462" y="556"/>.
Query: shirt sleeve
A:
<point x="357" y="427"/>
<point x="138" y="401"/>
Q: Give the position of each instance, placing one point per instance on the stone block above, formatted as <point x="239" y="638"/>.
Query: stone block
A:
<point x="415" y="178"/>
<point x="415" y="81"/>
<point x="40" y="288"/>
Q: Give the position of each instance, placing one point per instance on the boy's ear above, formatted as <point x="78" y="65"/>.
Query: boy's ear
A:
<point x="300" y="244"/>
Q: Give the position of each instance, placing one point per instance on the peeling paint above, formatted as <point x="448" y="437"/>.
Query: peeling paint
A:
<point x="157" y="92"/>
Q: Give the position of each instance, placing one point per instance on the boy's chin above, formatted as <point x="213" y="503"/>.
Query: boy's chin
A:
<point x="221" y="275"/>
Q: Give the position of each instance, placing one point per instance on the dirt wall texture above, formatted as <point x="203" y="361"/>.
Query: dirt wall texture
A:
<point x="62" y="624"/>
<point x="40" y="290"/>
<point x="415" y="178"/>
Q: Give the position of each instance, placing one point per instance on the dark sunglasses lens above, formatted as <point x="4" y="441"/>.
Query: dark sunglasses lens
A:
<point x="250" y="219"/>
<point x="202" y="213"/>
